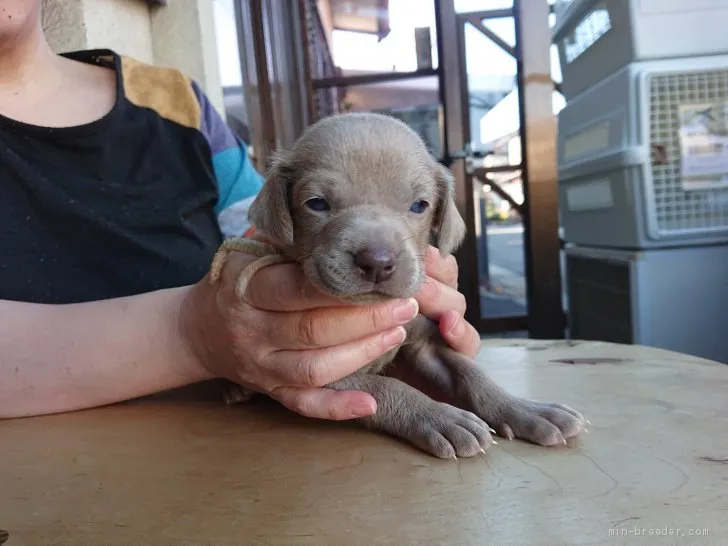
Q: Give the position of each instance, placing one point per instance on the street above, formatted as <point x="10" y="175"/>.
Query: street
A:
<point x="505" y="248"/>
<point x="506" y="262"/>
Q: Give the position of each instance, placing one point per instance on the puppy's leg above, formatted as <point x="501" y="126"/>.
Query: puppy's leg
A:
<point x="440" y="429"/>
<point x="232" y="393"/>
<point x="470" y="388"/>
<point x="233" y="244"/>
<point x="266" y="256"/>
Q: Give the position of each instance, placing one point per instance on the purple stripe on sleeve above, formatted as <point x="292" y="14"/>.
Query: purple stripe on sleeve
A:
<point x="213" y="127"/>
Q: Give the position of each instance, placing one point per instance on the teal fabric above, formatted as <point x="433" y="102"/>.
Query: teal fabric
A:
<point x="237" y="179"/>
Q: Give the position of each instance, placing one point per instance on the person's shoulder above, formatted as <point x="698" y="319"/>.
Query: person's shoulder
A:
<point x="167" y="91"/>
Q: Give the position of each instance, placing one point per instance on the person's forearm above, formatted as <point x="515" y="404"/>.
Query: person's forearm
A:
<point x="56" y="358"/>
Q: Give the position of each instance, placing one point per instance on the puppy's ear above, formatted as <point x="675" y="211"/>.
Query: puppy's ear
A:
<point x="448" y="226"/>
<point x="270" y="212"/>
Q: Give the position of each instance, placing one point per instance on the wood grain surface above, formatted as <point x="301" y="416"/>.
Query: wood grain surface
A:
<point x="181" y="469"/>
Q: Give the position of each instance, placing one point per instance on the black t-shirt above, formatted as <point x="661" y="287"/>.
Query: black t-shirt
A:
<point x="136" y="201"/>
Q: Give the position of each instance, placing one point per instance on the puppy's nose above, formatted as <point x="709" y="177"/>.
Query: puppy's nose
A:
<point x="376" y="264"/>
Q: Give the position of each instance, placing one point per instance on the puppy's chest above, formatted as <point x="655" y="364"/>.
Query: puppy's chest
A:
<point x="419" y="331"/>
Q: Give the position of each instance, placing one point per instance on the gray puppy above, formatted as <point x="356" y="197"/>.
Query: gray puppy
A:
<point x="357" y="201"/>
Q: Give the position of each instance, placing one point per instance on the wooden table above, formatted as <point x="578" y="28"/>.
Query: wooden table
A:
<point x="180" y="469"/>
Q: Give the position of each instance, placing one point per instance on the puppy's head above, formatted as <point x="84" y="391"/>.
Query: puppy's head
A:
<point x="357" y="201"/>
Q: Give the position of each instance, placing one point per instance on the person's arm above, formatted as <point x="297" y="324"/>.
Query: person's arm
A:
<point x="56" y="358"/>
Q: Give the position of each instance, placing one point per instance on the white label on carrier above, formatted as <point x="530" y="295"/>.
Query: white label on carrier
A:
<point x="592" y="195"/>
<point x="704" y="145"/>
<point x="592" y="27"/>
<point x="594" y="138"/>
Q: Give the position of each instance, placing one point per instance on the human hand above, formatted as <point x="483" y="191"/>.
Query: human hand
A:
<point x="440" y="301"/>
<point x="287" y="339"/>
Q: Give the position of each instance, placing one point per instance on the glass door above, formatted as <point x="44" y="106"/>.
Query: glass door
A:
<point x="501" y="121"/>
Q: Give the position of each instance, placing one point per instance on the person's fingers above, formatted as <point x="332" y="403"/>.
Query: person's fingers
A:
<point x="441" y="268"/>
<point x="459" y="334"/>
<point x="280" y="287"/>
<point x="326" y="403"/>
<point x="319" y="367"/>
<point x="436" y="297"/>
<point x="318" y="328"/>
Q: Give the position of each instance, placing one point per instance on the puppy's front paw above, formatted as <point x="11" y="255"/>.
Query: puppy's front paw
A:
<point x="232" y="393"/>
<point x="543" y="423"/>
<point x="449" y="432"/>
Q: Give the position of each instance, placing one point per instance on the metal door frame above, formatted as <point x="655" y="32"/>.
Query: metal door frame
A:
<point x="545" y="316"/>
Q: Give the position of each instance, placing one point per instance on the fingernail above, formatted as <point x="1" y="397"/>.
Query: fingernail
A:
<point x="361" y="410"/>
<point x="406" y="311"/>
<point x="456" y="329"/>
<point x="395" y="337"/>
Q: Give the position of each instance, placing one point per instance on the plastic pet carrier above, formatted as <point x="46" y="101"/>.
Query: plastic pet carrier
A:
<point x="597" y="37"/>
<point x="643" y="157"/>
<point x="674" y="299"/>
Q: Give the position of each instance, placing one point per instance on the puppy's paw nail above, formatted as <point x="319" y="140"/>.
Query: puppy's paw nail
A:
<point x="586" y="430"/>
<point x="482" y="450"/>
<point x="565" y="442"/>
<point x="455" y="457"/>
<point x="588" y="422"/>
<point x="507" y="432"/>
<point x="494" y="442"/>
<point x="492" y="431"/>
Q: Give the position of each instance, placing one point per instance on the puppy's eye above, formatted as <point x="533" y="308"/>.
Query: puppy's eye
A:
<point x="418" y="207"/>
<point x="318" y="204"/>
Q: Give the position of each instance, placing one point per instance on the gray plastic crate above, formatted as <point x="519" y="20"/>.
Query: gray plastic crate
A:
<point x="560" y="7"/>
<point x="597" y="37"/>
<point x="674" y="299"/>
<point x="621" y="157"/>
